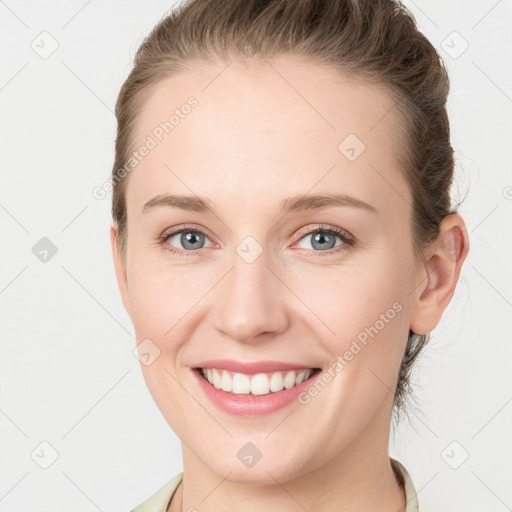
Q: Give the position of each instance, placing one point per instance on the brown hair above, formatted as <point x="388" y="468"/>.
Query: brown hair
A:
<point x="376" y="40"/>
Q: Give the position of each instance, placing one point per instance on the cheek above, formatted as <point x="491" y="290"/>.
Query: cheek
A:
<point x="160" y="298"/>
<point x="162" y="308"/>
<point x="363" y="310"/>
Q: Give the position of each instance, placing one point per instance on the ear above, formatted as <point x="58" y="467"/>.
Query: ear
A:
<point x="120" y="268"/>
<point x="439" y="274"/>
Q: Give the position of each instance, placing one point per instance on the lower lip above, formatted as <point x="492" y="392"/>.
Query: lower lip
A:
<point x="252" y="405"/>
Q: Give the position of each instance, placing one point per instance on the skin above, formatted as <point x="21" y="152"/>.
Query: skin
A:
<point x="263" y="132"/>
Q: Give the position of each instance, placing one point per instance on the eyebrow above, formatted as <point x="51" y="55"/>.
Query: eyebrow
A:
<point x="291" y="204"/>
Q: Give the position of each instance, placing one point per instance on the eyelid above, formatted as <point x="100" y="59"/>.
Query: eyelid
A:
<point x="325" y="228"/>
<point x="168" y="233"/>
<point x="348" y="239"/>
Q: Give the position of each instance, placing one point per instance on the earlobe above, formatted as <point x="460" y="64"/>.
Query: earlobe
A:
<point x="120" y="268"/>
<point x="440" y="274"/>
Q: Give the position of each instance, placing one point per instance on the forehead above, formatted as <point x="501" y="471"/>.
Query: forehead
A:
<point x="268" y="127"/>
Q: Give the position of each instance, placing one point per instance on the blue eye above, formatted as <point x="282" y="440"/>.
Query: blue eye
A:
<point x="323" y="240"/>
<point x="189" y="238"/>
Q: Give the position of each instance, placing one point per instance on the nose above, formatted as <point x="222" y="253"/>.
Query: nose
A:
<point x="252" y="301"/>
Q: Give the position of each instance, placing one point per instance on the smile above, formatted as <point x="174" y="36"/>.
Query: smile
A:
<point x="253" y="388"/>
<point x="256" y="384"/>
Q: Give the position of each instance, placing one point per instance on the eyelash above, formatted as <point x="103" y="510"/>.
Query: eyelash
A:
<point x="347" y="239"/>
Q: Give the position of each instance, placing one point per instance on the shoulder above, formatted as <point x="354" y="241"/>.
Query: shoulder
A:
<point x="160" y="500"/>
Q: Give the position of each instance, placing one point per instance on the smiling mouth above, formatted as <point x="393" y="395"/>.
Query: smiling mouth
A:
<point x="255" y="384"/>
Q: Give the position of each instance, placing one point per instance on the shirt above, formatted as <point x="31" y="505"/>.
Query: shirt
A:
<point x="160" y="501"/>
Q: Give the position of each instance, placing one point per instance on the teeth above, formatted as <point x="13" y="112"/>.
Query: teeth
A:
<point x="289" y="380"/>
<point x="276" y="382"/>
<point x="226" y="382"/>
<point x="216" y="379"/>
<point x="259" y="384"/>
<point x="241" y="384"/>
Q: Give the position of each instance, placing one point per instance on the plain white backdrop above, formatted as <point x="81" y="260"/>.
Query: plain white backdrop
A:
<point x="72" y="396"/>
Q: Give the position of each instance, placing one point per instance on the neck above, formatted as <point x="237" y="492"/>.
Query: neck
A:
<point x="358" y="478"/>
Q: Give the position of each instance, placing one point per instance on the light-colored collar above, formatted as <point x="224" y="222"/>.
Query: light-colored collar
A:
<point x="411" y="496"/>
<point x="159" y="502"/>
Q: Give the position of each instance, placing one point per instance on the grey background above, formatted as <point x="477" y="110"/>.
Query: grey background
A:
<point x="68" y="374"/>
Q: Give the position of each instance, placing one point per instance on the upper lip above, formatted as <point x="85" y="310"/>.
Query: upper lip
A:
<point x="250" y="367"/>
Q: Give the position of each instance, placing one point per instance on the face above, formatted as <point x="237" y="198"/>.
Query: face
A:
<point x="294" y="248"/>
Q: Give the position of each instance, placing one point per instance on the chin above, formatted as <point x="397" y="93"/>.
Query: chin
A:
<point x="265" y="471"/>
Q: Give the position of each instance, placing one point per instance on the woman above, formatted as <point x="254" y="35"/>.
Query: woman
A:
<point x="251" y="134"/>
